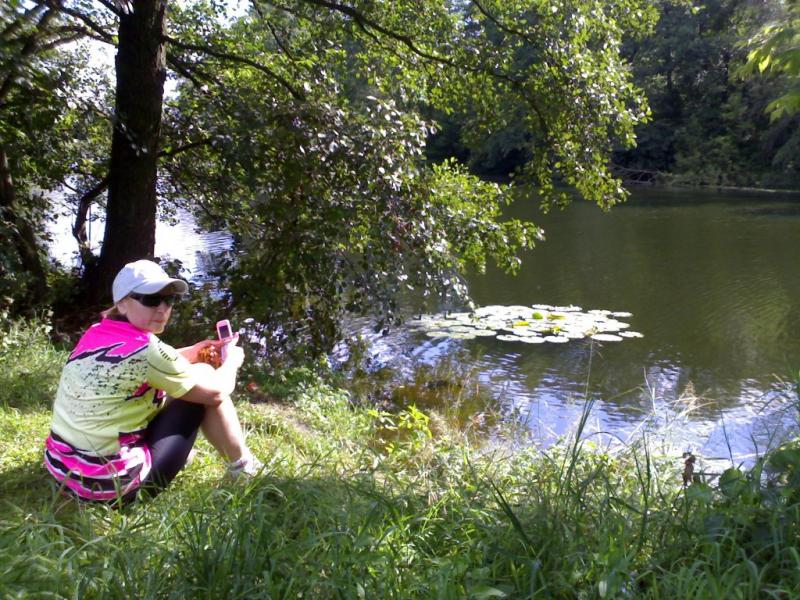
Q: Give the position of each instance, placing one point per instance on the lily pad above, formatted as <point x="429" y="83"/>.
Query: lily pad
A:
<point x="531" y="339"/>
<point x="509" y="338"/>
<point x="484" y="333"/>
<point x="536" y="324"/>
<point x="461" y="329"/>
<point x="630" y="334"/>
<point x="438" y="334"/>
<point x="525" y="332"/>
<point x="570" y="308"/>
<point x="606" y="337"/>
<point x="573" y="335"/>
<point x="462" y="336"/>
<point x="458" y="315"/>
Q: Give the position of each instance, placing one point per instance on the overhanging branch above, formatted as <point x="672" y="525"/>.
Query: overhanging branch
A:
<point x="366" y="24"/>
<point x="189" y="73"/>
<point x="295" y="93"/>
<point x="102" y="34"/>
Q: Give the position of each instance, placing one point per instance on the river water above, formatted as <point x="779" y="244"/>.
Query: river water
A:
<point x="712" y="281"/>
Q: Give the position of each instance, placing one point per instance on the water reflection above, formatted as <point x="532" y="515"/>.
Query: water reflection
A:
<point x="181" y="239"/>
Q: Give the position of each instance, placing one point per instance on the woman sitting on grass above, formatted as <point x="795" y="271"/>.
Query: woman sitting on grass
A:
<point x="128" y="406"/>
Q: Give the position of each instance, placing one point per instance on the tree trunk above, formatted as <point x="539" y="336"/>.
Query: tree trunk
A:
<point x="23" y="237"/>
<point x="131" y="208"/>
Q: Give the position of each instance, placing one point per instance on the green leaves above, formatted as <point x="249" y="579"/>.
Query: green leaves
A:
<point x="775" y="52"/>
<point x="732" y="482"/>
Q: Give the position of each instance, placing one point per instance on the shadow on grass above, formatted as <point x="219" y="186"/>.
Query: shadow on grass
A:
<point x="27" y="484"/>
<point x="26" y="393"/>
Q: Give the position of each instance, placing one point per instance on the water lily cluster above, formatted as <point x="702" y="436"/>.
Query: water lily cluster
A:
<point x="536" y="324"/>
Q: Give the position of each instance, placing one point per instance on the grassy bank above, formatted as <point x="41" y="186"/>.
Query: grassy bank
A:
<point x="356" y="503"/>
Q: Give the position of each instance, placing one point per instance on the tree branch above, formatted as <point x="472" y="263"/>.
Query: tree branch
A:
<point x="278" y="41"/>
<point x="184" y="148"/>
<point x="79" y="228"/>
<point x="76" y="35"/>
<point x="189" y="73"/>
<point x="365" y="23"/>
<point x="500" y="25"/>
<point x="104" y="35"/>
<point x="111" y="6"/>
<point x="513" y="31"/>
<point x="296" y="94"/>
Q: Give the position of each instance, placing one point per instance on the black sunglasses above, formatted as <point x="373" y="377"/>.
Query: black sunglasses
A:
<point x="154" y="300"/>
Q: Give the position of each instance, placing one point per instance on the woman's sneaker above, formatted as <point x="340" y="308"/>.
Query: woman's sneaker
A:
<point x="246" y="467"/>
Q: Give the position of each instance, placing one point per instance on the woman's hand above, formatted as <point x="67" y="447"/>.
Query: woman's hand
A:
<point x="234" y="356"/>
<point x="215" y="384"/>
<point x="191" y="352"/>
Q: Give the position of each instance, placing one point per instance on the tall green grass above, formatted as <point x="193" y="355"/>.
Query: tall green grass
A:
<point x="360" y="503"/>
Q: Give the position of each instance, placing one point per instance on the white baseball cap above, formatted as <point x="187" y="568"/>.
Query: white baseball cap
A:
<point x="144" y="277"/>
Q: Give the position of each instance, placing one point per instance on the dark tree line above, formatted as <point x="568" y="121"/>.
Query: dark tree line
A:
<point x="709" y="124"/>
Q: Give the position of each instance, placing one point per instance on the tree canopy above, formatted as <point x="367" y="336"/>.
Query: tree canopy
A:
<point x="301" y="126"/>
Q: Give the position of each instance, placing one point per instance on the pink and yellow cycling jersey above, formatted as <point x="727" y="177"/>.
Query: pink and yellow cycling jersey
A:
<point x="113" y="384"/>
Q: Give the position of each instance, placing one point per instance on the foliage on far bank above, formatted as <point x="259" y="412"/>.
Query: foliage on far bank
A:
<point x="708" y="125"/>
<point x="339" y="512"/>
<point x="711" y="126"/>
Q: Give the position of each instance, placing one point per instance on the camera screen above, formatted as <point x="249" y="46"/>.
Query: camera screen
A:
<point x="224" y="332"/>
